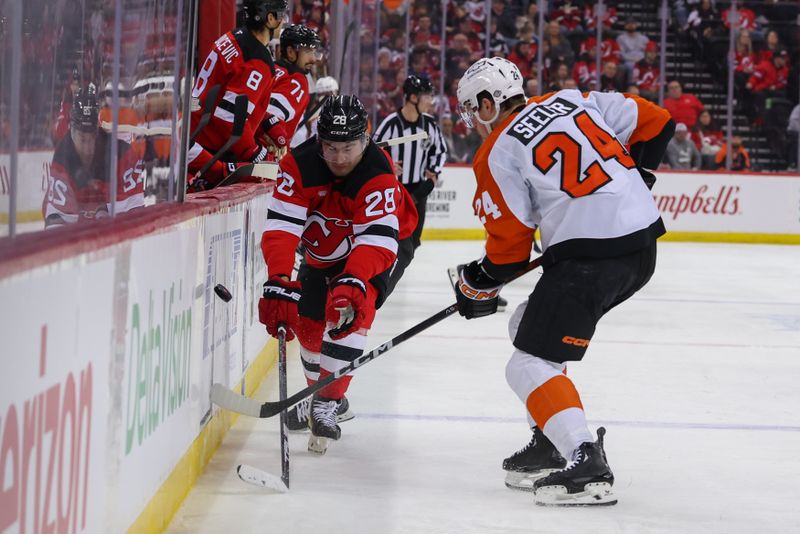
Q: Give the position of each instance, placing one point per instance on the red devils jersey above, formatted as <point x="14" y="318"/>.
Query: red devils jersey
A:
<point x="240" y="65"/>
<point x="77" y="193"/>
<point x="646" y="76"/>
<point x="289" y="98"/>
<point x="358" y="219"/>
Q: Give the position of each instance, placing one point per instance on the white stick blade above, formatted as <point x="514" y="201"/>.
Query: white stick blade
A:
<point x="257" y="477"/>
<point x="266" y="170"/>
<point x="225" y="398"/>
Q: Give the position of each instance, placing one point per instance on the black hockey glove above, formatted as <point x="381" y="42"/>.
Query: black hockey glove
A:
<point x="476" y="291"/>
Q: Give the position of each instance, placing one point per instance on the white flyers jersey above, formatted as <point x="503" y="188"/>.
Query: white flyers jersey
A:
<point x="560" y="164"/>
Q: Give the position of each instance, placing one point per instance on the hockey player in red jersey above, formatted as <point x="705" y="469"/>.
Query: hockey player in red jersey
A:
<point x="240" y="64"/>
<point x="558" y="162"/>
<point x="78" y="186"/>
<point x="337" y="193"/>
<point x="300" y="49"/>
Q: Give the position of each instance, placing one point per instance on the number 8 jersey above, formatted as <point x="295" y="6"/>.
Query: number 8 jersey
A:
<point x="356" y="220"/>
<point x="559" y="164"/>
<point x="240" y="65"/>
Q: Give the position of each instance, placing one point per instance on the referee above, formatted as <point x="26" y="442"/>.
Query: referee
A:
<point x="417" y="163"/>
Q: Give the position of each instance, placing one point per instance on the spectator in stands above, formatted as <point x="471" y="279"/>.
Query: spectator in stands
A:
<point x="744" y="62"/>
<point x="702" y="24"/>
<point x="456" y="151"/>
<point x="524" y="57"/>
<point x="505" y="14"/>
<point x="747" y="20"/>
<point x="772" y="45"/>
<point x="610" y="18"/>
<point x="793" y="138"/>
<point x="559" y="74"/>
<point x="560" y="47"/>
<point x="632" y="43"/>
<point x="684" y="107"/>
<point x="611" y="80"/>
<point x="568" y="16"/>
<point x="633" y="90"/>
<point x="585" y="70"/>
<point x="768" y="80"/>
<point x="532" y="87"/>
<point x="681" y="152"/>
<point x="647" y="74"/>
<point x="609" y="49"/>
<point x="740" y="159"/>
<point x="708" y="139"/>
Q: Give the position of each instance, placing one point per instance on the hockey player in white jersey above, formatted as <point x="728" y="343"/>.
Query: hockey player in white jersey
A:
<point x="559" y="162"/>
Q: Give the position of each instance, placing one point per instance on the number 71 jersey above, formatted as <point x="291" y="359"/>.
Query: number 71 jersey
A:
<point x="560" y="164"/>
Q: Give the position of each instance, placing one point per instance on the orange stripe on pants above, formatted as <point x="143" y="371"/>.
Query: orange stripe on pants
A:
<point x="553" y="396"/>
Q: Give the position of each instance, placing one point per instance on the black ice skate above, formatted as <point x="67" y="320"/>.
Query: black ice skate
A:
<point x="586" y="481"/>
<point x="537" y="459"/>
<point x="323" y="424"/>
<point x="298" y="419"/>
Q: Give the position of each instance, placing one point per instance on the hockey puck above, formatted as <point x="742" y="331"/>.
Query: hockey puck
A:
<point x="223" y="293"/>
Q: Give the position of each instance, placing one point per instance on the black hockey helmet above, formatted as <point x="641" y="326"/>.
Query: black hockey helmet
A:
<point x="414" y="85"/>
<point x="299" y="36"/>
<point x="343" y="118"/>
<point x="256" y="11"/>
<point x="85" y="110"/>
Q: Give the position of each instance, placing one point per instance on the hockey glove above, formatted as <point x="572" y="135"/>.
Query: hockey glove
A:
<point x="347" y="302"/>
<point x="476" y="291"/>
<point x="278" y="305"/>
<point x="276" y="130"/>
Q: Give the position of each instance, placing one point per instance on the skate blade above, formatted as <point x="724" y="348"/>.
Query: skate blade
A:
<point x="594" y="494"/>
<point x="317" y="444"/>
<point x="346" y="416"/>
<point x="524" y="481"/>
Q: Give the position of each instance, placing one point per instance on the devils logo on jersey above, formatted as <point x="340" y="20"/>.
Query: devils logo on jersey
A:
<point x="327" y="239"/>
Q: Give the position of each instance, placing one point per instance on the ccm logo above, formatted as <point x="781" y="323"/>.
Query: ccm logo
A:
<point x="578" y="342"/>
<point x="476" y="294"/>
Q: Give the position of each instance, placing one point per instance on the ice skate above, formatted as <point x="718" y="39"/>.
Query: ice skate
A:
<point x="537" y="459"/>
<point x="586" y="481"/>
<point x="323" y="424"/>
<point x="298" y="416"/>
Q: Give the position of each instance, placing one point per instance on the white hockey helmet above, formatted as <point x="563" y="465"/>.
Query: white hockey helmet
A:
<point x="497" y="76"/>
<point x="326" y="84"/>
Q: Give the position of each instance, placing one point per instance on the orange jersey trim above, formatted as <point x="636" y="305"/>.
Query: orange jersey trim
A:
<point x="508" y="240"/>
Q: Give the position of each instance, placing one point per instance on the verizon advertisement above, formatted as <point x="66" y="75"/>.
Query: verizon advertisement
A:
<point x="688" y="202"/>
<point x="54" y="398"/>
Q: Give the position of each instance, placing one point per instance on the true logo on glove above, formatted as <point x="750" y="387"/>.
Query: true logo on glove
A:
<point x="281" y="292"/>
<point x="578" y="342"/>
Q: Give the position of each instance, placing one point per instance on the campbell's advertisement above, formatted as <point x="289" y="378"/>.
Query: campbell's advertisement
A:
<point x="54" y="398"/>
<point x="688" y="202"/>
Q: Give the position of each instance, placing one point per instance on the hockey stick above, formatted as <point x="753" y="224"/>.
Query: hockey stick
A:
<point x="239" y="120"/>
<point x="310" y="114"/>
<point x="225" y="398"/>
<point x="266" y="169"/>
<point x="208" y="108"/>
<point x="350" y="29"/>
<point x="420" y="136"/>
<point x="259" y="477"/>
<point x="282" y="393"/>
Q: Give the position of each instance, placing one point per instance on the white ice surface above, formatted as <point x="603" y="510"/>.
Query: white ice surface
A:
<point x="696" y="378"/>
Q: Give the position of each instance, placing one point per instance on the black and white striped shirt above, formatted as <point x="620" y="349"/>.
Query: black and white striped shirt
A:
<point x="415" y="156"/>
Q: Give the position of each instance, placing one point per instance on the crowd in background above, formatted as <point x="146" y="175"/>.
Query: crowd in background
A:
<point x="766" y="60"/>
